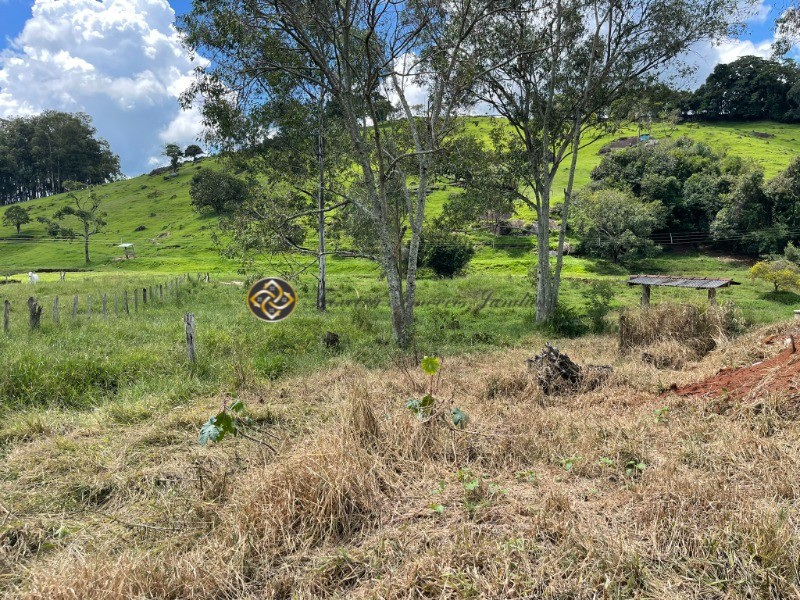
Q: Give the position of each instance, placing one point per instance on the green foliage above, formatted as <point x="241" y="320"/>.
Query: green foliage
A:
<point x="218" y="191"/>
<point x="634" y="468"/>
<point x="460" y="418"/>
<point x="430" y="365"/>
<point x="193" y="151"/>
<point x="16" y="216"/>
<point x="226" y="422"/>
<point x="40" y="152"/>
<point x="780" y="273"/>
<point x="83" y="207"/>
<point x="421" y="407"/>
<point x="750" y="88"/>
<point x="425" y="408"/>
<point x="614" y="224"/>
<point x="792" y="253"/>
<point x="686" y="177"/>
<point x="598" y="298"/>
<point x="447" y="254"/>
<point x="174" y="153"/>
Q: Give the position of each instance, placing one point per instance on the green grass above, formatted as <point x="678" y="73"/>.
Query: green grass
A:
<point x="177" y="239"/>
<point x="86" y="362"/>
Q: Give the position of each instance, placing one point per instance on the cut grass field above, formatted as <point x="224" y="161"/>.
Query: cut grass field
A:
<point x="619" y="492"/>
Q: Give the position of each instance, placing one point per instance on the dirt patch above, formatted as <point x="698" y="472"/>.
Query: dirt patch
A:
<point x="779" y="375"/>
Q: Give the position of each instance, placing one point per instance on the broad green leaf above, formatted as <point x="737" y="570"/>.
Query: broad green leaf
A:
<point x="426" y="402"/>
<point x="472" y="485"/>
<point x="209" y="432"/>
<point x="237" y="406"/>
<point x="437" y="508"/>
<point x="430" y="364"/>
<point x="460" y="418"/>
<point x="421" y="407"/>
<point x="226" y="424"/>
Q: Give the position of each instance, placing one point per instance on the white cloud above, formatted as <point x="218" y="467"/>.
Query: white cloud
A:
<point x="703" y="57"/>
<point x="759" y="13"/>
<point x="120" y="61"/>
<point x="415" y="93"/>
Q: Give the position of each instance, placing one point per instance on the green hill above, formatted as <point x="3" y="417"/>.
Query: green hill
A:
<point x="155" y="214"/>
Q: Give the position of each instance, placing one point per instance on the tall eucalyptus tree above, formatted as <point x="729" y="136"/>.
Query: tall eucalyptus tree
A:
<point x="357" y="52"/>
<point x="553" y="69"/>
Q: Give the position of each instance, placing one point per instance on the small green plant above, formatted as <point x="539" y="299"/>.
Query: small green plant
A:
<point x="605" y="461"/>
<point x="569" y="461"/>
<point x="529" y="476"/>
<point x="634" y="468"/>
<point x="225" y="422"/>
<point x="229" y="421"/>
<point x="597" y="305"/>
<point x="425" y="408"/>
<point x="477" y="492"/>
<point x="661" y="415"/>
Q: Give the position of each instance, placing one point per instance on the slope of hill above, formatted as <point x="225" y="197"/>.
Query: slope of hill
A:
<point x="155" y="214"/>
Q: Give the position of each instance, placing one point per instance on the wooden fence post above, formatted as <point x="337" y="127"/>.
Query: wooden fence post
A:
<point x="136" y="300"/>
<point x="144" y="296"/>
<point x="160" y="291"/>
<point x="35" y="309"/>
<point x="75" y="308"/>
<point x="89" y="307"/>
<point x="125" y="302"/>
<point x="6" y="316"/>
<point x="56" y="317"/>
<point x="188" y="319"/>
<point x="105" y="307"/>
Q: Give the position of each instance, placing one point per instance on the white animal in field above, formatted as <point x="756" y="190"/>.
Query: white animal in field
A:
<point x="33" y="277"/>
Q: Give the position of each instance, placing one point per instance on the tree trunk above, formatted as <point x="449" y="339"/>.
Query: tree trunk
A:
<point x="321" y="300"/>
<point x="546" y="296"/>
<point x="86" y="244"/>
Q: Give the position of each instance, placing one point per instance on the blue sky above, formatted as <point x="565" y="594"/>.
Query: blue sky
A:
<point x="121" y="62"/>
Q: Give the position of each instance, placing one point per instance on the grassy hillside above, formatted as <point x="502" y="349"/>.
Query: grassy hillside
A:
<point x="175" y="238"/>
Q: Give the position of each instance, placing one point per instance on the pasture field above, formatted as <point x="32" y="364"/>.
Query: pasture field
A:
<point x="338" y="489"/>
<point x="175" y="238"/>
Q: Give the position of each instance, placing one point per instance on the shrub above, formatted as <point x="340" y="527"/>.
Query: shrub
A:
<point x="445" y="253"/>
<point x="598" y="304"/>
<point x="780" y="273"/>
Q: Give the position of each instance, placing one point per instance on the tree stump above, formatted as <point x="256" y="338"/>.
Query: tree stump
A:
<point x="556" y="373"/>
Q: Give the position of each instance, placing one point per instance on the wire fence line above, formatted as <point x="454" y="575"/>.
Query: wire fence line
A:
<point x="127" y="302"/>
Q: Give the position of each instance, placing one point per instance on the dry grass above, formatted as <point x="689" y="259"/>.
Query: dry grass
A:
<point x="539" y="497"/>
<point x="694" y="331"/>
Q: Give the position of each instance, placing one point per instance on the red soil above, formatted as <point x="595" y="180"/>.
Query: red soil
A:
<point x="777" y="375"/>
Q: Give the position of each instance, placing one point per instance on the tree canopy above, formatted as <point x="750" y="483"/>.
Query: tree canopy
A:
<point x="39" y="153"/>
<point x="751" y="88"/>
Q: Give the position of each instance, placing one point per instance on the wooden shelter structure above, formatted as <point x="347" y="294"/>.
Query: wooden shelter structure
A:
<point x="129" y="249"/>
<point x="711" y="284"/>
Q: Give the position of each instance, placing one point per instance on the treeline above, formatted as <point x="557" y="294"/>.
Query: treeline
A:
<point x="39" y="153"/>
<point x="685" y="191"/>
<point x="748" y="89"/>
